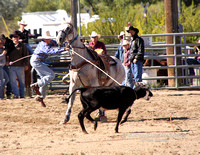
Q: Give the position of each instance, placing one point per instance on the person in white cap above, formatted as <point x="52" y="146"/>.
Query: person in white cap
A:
<point x="97" y="45"/>
<point x="120" y="51"/>
<point x="127" y="64"/>
<point x="42" y="51"/>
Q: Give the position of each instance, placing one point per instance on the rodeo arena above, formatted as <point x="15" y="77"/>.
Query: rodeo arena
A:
<point x="87" y="108"/>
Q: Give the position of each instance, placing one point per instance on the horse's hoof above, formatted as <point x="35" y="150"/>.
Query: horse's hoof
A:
<point x="63" y="122"/>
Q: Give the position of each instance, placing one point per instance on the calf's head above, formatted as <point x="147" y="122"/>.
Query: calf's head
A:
<point x="143" y="91"/>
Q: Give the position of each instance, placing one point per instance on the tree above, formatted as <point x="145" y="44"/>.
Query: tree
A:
<point x="10" y="8"/>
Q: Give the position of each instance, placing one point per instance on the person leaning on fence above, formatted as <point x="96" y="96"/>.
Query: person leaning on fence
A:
<point x="136" y="53"/>
<point x="97" y="45"/>
<point x="8" y="46"/>
<point x="17" y="69"/>
<point x="41" y="53"/>
<point x="120" y="50"/>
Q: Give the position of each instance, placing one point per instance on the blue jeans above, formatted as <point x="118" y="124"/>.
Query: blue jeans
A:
<point x="128" y="77"/>
<point x="16" y="71"/>
<point x="6" y="78"/>
<point x="137" y="71"/>
<point x="1" y="82"/>
<point x="8" y="85"/>
<point x="45" y="73"/>
<point x="29" y="48"/>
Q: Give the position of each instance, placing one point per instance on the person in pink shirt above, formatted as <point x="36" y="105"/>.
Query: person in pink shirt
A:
<point x="127" y="64"/>
<point x="97" y="45"/>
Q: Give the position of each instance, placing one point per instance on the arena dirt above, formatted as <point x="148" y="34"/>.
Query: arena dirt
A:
<point x="167" y="124"/>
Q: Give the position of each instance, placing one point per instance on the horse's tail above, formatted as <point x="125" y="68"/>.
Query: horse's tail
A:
<point x="82" y="89"/>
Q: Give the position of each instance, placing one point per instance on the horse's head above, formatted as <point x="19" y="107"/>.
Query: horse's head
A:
<point x="67" y="33"/>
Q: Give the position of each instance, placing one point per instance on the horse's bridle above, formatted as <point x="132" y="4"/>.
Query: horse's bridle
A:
<point x="74" y="38"/>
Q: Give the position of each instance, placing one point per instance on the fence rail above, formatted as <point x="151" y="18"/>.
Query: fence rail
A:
<point x="156" y="51"/>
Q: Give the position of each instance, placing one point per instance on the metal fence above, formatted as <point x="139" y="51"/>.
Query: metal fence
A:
<point x="155" y="51"/>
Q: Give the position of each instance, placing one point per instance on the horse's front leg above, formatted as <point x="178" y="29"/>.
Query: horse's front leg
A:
<point x="72" y="87"/>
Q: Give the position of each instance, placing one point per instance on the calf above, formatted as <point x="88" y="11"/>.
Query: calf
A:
<point x="118" y="97"/>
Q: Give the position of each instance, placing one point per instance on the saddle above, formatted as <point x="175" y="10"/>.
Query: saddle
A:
<point x="102" y="61"/>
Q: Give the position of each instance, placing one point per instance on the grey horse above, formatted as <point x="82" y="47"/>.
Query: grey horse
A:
<point x="82" y="72"/>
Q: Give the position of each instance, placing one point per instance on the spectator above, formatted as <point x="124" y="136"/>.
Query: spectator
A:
<point x="8" y="46"/>
<point x="2" y="63"/>
<point x="136" y="53"/>
<point x="24" y="35"/>
<point x="120" y="51"/>
<point x="17" y="69"/>
<point x="41" y="53"/>
<point x="97" y="45"/>
<point x="127" y="64"/>
<point x="24" y="39"/>
<point x="194" y="61"/>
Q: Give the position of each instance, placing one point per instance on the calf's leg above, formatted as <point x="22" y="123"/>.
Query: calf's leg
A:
<point x="81" y="116"/>
<point x="120" y="114"/>
<point x="88" y="116"/>
<point x="126" y="117"/>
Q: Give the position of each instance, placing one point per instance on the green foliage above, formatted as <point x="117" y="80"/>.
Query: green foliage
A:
<point x="41" y="5"/>
<point x="134" y="14"/>
<point x="190" y="20"/>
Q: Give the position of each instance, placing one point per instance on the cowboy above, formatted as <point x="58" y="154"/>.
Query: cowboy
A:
<point x="41" y="53"/>
<point x="17" y="69"/>
<point x="97" y="45"/>
<point x="24" y="35"/>
<point x="136" y="53"/>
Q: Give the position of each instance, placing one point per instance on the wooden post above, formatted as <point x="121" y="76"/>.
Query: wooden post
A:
<point x="74" y="13"/>
<point x="170" y="26"/>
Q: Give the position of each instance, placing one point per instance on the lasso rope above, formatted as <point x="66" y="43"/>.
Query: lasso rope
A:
<point x="12" y="62"/>
<point x="97" y="67"/>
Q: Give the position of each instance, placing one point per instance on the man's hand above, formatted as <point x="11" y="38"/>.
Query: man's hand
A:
<point x="4" y="52"/>
<point x="134" y="61"/>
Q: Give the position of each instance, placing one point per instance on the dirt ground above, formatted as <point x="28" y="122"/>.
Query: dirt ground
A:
<point x="28" y="128"/>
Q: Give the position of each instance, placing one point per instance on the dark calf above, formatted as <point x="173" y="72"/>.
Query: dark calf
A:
<point x="119" y="97"/>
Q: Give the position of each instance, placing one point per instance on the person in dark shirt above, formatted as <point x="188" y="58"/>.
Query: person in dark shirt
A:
<point x="17" y="69"/>
<point x="136" y="56"/>
<point x="24" y="35"/>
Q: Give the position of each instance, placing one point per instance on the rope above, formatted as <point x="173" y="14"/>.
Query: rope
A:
<point x="97" y="67"/>
<point x="11" y="63"/>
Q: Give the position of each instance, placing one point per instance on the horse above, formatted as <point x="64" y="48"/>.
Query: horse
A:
<point x="81" y="72"/>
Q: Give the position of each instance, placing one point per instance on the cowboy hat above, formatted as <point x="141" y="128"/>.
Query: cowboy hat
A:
<point x="46" y="36"/>
<point x="132" y="28"/>
<point x="121" y="34"/>
<point x="125" y="42"/>
<point x="15" y="33"/>
<point x="22" y="22"/>
<point x="94" y="34"/>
